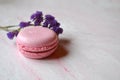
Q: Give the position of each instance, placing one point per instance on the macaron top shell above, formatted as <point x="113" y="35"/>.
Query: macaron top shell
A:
<point x="36" y="36"/>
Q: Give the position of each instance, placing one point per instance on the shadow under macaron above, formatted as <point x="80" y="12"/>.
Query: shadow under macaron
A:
<point x="61" y="51"/>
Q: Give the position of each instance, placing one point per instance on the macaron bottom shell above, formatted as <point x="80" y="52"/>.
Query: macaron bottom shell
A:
<point x="37" y="55"/>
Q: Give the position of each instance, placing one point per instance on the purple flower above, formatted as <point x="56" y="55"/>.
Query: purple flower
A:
<point x="37" y="22"/>
<point x="54" y="23"/>
<point x="33" y="16"/>
<point x="24" y="24"/>
<point x="58" y="30"/>
<point x="10" y="35"/>
<point x="49" y="17"/>
<point x="45" y="24"/>
<point x="36" y="15"/>
<point x="15" y="32"/>
<point x="37" y="18"/>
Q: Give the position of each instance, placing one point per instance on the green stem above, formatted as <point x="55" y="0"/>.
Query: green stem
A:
<point x="6" y="28"/>
<point x="12" y="26"/>
<point x="19" y="29"/>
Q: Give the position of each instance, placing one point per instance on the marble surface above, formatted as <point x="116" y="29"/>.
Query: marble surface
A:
<point x="89" y="47"/>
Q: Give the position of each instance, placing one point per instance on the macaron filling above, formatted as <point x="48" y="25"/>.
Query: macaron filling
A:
<point x="38" y="55"/>
<point x="37" y="49"/>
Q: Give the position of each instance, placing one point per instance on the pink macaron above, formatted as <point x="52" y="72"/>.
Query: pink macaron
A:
<point x="37" y="42"/>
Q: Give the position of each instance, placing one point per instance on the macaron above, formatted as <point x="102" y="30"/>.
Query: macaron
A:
<point x="37" y="42"/>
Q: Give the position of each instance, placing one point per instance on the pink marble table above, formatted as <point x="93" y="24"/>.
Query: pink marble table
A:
<point x="89" y="47"/>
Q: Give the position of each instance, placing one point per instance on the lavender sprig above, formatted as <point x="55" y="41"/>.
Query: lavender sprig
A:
<point x="24" y="24"/>
<point x="36" y="19"/>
